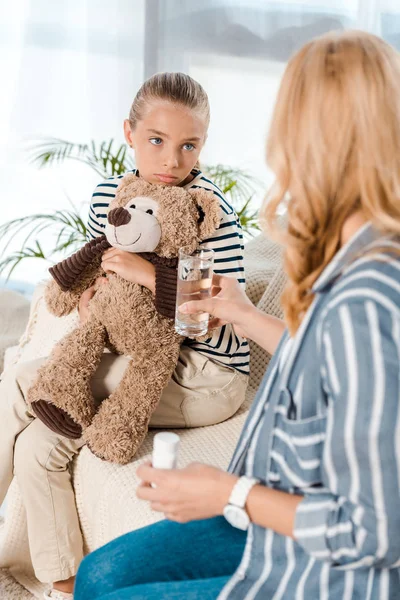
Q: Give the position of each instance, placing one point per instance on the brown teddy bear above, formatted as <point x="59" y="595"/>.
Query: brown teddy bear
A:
<point x="154" y="221"/>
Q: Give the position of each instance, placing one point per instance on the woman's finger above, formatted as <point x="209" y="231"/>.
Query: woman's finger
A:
<point x="215" y="323"/>
<point x="171" y="516"/>
<point x="158" y="507"/>
<point x="150" y="475"/>
<point x="198" y="306"/>
<point x="144" y="484"/>
<point x="217" y="279"/>
<point x="146" y="492"/>
<point x="215" y="290"/>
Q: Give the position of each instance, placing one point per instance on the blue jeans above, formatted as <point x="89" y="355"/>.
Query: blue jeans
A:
<point x="167" y="560"/>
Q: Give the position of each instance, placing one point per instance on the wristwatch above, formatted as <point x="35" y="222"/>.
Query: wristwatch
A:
<point x="235" y="512"/>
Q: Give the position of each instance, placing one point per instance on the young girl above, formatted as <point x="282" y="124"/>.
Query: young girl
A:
<point x="315" y="477"/>
<point x="167" y="128"/>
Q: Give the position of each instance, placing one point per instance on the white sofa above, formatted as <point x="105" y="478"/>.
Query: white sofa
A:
<point x="105" y="492"/>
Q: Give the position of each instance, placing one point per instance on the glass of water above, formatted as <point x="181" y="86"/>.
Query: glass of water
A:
<point x="195" y="271"/>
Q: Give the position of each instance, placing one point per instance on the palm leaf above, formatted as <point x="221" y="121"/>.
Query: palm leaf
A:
<point x="13" y="260"/>
<point x="67" y="225"/>
<point x="106" y="159"/>
<point x="239" y="187"/>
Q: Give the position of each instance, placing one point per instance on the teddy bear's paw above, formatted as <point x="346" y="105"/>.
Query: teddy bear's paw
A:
<point x="116" y="447"/>
<point x="65" y="405"/>
<point x="57" y="419"/>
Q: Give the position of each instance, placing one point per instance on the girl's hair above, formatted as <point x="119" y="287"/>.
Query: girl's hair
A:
<point x="334" y="147"/>
<point x="177" y="88"/>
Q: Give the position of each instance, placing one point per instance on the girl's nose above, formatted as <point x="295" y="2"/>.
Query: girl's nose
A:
<point x="171" y="161"/>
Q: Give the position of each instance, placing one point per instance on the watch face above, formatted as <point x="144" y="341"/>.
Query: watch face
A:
<point x="236" y="516"/>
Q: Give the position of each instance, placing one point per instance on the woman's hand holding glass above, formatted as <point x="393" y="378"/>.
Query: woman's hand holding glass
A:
<point x="228" y="304"/>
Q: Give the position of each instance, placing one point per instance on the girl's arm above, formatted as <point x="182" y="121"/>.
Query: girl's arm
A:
<point x="127" y="265"/>
<point x="130" y="266"/>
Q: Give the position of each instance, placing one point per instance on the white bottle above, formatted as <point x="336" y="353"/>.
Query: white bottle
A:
<point x="165" y="450"/>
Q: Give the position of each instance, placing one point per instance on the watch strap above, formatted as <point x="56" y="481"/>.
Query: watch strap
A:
<point x="241" y="490"/>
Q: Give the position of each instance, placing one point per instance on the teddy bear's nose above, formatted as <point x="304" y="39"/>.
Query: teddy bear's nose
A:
<point x="119" y="216"/>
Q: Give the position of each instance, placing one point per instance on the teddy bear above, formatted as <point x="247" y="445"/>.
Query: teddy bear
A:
<point x="154" y="221"/>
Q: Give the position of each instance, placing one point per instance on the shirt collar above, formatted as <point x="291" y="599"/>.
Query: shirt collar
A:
<point x="365" y="236"/>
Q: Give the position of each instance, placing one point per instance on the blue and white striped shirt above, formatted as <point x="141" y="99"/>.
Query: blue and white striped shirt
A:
<point x="224" y="346"/>
<point x="326" y="425"/>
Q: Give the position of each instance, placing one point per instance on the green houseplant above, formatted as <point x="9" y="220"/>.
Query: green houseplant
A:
<point x="107" y="159"/>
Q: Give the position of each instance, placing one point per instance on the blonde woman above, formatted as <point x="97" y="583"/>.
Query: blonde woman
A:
<point x="315" y="477"/>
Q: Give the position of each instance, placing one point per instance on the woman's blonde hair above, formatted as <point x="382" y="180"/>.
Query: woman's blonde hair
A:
<point x="177" y="88"/>
<point x="334" y="147"/>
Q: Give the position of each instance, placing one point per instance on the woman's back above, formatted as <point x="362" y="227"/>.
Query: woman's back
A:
<point x="332" y="422"/>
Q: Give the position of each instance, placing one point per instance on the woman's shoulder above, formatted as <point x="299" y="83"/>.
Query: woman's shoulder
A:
<point x="374" y="277"/>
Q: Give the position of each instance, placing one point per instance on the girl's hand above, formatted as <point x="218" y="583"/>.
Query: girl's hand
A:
<point x="196" y="492"/>
<point x="83" y="306"/>
<point x="129" y="266"/>
<point x="228" y="304"/>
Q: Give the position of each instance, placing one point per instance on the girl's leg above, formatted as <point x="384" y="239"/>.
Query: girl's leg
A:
<point x="196" y="589"/>
<point x="201" y="392"/>
<point x="41" y="464"/>
<point x="15" y="416"/>
<point x="165" y="551"/>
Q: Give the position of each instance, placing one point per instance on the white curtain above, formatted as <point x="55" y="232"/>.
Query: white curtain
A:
<point x="238" y="50"/>
<point x="68" y="70"/>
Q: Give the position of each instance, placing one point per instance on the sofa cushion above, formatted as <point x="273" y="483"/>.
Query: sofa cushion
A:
<point x="106" y="493"/>
<point x="14" y="313"/>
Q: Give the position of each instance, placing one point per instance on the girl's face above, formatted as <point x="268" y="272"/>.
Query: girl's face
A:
<point x="167" y="142"/>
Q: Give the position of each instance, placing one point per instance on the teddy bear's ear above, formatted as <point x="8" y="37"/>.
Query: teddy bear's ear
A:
<point x="207" y="205"/>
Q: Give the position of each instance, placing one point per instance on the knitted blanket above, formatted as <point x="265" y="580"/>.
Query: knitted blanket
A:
<point x="105" y="492"/>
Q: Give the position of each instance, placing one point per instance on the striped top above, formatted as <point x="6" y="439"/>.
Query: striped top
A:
<point x="326" y="425"/>
<point x="224" y="346"/>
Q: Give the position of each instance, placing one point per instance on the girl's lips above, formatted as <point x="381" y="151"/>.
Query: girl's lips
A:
<point x="166" y="178"/>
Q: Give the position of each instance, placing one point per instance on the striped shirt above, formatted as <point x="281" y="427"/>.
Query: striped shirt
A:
<point x="224" y="345"/>
<point x="326" y="425"/>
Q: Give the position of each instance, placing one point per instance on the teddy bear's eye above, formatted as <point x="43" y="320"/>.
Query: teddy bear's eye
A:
<point x="149" y="212"/>
<point x="132" y="206"/>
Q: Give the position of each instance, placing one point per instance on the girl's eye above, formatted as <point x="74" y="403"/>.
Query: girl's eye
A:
<point x="155" y="141"/>
<point x="189" y="147"/>
<point x="149" y="212"/>
<point x="132" y="206"/>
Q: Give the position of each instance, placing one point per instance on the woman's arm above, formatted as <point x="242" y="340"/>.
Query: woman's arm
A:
<point x="230" y="304"/>
<point x="355" y="521"/>
<point x="200" y="492"/>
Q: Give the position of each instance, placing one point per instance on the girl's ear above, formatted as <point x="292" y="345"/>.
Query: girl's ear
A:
<point x="128" y="133"/>
<point x="209" y="212"/>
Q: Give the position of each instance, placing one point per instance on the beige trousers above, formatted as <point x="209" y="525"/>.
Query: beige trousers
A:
<point x="201" y="392"/>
